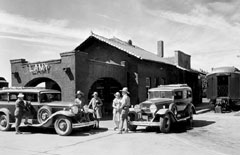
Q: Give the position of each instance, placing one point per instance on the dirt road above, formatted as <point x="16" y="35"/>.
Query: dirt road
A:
<point x="213" y="134"/>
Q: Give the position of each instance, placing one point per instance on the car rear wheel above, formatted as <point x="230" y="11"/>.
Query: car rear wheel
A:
<point x="131" y="117"/>
<point x="165" y="123"/>
<point x="4" y="123"/>
<point x="63" y="126"/>
<point x="43" y="114"/>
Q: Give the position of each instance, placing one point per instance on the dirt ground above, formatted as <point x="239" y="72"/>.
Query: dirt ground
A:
<point x="212" y="134"/>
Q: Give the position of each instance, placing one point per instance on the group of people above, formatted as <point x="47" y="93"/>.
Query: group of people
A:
<point x="120" y="108"/>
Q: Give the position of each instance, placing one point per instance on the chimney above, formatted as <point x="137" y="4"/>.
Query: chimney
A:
<point x="160" y="49"/>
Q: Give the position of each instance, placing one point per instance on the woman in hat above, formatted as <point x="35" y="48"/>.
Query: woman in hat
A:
<point x="96" y="104"/>
<point x="79" y="99"/>
<point x="19" y="111"/>
<point x="116" y="109"/>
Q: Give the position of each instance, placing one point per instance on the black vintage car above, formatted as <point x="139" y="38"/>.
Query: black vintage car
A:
<point x="166" y="104"/>
<point x="223" y="88"/>
<point x="46" y="110"/>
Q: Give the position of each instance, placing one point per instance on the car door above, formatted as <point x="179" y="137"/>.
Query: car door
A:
<point x="180" y="97"/>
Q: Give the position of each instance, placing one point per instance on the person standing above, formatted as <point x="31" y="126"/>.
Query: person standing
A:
<point x="79" y="99"/>
<point x="96" y="104"/>
<point x="19" y="111"/>
<point x="116" y="110"/>
<point x="125" y="104"/>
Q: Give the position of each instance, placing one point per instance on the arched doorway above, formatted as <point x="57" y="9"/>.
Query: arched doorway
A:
<point x="106" y="87"/>
<point x="46" y="82"/>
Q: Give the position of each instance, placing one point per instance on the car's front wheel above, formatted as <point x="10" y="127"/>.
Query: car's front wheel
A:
<point x="165" y="123"/>
<point x="63" y="126"/>
<point x="4" y="123"/>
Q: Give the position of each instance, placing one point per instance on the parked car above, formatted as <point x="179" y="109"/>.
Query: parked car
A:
<point x="46" y="110"/>
<point x="165" y="105"/>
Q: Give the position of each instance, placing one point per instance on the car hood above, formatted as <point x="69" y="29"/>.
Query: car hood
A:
<point x="60" y="104"/>
<point x="157" y="101"/>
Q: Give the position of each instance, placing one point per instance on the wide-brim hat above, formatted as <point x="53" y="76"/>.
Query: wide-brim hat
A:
<point x="79" y="92"/>
<point x="95" y="93"/>
<point x="125" y="89"/>
<point x="20" y="95"/>
<point x="117" y="94"/>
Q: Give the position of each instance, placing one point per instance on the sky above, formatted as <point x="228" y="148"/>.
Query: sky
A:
<point x="39" y="30"/>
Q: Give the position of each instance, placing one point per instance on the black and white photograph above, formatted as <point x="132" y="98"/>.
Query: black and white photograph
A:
<point x="119" y="77"/>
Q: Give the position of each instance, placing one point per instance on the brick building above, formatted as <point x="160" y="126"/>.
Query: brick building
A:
<point x="106" y="65"/>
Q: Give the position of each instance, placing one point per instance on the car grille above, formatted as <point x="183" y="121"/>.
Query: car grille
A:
<point x="145" y="108"/>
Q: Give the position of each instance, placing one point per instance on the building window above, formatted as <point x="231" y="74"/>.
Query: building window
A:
<point x="148" y="82"/>
<point x="4" y="97"/>
<point x="148" y="85"/>
<point x="163" y="81"/>
<point x="156" y="82"/>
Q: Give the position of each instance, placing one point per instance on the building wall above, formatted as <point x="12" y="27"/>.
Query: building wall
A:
<point x="78" y="70"/>
<point x="61" y="71"/>
<point x="103" y="53"/>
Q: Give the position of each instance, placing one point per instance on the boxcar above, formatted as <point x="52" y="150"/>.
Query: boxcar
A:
<point x="223" y="88"/>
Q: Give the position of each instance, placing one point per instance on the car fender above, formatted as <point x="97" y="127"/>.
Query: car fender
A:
<point x="163" y="111"/>
<point x="54" y="115"/>
<point x="194" y="109"/>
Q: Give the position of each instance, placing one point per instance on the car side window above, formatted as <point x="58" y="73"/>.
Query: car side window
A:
<point x="184" y="94"/>
<point x="178" y="95"/>
<point x="4" y="97"/>
<point x="13" y="96"/>
<point x="32" y="97"/>
<point x="189" y="94"/>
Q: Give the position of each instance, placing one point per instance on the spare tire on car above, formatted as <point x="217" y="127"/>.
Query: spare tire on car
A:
<point x="43" y="114"/>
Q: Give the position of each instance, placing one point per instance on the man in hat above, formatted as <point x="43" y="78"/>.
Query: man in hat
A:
<point x="79" y="99"/>
<point x="19" y="111"/>
<point x="125" y="104"/>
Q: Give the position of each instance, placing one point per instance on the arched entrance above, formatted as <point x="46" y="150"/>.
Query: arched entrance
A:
<point x="47" y="82"/>
<point x="106" y="87"/>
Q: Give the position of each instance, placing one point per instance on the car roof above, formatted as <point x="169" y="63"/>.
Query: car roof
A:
<point x="28" y="90"/>
<point x="171" y="87"/>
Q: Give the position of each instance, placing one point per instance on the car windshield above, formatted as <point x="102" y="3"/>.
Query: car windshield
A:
<point x="50" y="97"/>
<point x="160" y="94"/>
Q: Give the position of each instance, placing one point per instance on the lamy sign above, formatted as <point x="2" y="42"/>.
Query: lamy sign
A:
<point x="40" y="68"/>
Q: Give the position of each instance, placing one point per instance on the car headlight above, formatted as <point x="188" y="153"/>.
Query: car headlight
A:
<point x="74" y="109"/>
<point x="153" y="108"/>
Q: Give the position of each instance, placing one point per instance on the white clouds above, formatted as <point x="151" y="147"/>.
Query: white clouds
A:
<point x="53" y="32"/>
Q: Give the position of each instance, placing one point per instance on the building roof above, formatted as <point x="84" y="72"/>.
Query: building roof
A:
<point x="134" y="50"/>
<point x="130" y="49"/>
<point x="226" y="69"/>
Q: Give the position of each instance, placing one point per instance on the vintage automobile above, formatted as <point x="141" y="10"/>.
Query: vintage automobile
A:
<point x="46" y="110"/>
<point x="165" y="105"/>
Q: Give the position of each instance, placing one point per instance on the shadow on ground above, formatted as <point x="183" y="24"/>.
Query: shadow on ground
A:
<point x="180" y="127"/>
<point x="51" y="131"/>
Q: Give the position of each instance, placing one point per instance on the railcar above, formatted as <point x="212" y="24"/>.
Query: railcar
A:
<point x="223" y="88"/>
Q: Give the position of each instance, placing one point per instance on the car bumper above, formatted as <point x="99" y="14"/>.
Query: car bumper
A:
<point x="144" y="123"/>
<point x="84" y="124"/>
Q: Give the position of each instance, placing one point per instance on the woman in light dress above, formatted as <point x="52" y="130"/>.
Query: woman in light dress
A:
<point x="116" y="110"/>
<point x="96" y="104"/>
